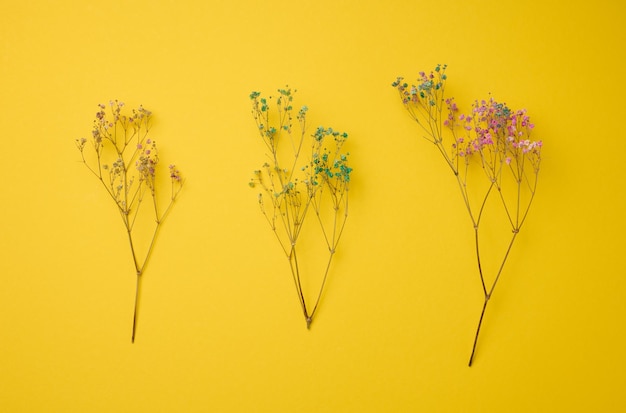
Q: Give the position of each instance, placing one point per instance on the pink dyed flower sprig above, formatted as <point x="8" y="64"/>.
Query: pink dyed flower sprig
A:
<point x="491" y="154"/>
<point x="125" y="161"/>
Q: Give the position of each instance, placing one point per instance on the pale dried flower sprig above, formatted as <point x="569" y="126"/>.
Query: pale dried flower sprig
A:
<point x="303" y="173"/>
<point x="493" y="137"/>
<point x="126" y="164"/>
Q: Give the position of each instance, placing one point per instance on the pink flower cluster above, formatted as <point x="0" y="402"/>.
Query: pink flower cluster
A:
<point x="101" y="123"/>
<point x="147" y="162"/>
<point x="175" y="173"/>
<point x="493" y="127"/>
<point x="492" y="130"/>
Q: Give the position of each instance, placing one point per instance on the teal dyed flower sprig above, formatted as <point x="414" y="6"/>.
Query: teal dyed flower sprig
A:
<point x="304" y="175"/>
<point x="125" y="161"/>
<point x="488" y="150"/>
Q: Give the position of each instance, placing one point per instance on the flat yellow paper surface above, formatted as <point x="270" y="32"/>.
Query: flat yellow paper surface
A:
<point x="219" y="327"/>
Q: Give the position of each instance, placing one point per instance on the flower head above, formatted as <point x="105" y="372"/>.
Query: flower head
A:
<point x="174" y="173"/>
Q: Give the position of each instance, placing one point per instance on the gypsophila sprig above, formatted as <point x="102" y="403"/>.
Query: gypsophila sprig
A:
<point x="304" y="174"/>
<point x="492" y="137"/>
<point x="125" y="160"/>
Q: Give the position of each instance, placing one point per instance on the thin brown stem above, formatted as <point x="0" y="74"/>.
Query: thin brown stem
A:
<point x="295" y="272"/>
<point x="132" y="250"/>
<point x="480" y="322"/>
<point x="506" y="255"/>
<point x="321" y="290"/>
<point x="136" y="307"/>
<point x="490" y="293"/>
<point x="480" y="269"/>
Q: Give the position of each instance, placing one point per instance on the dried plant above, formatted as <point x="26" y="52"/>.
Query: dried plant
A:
<point x="492" y="137"/>
<point x="124" y="160"/>
<point x="303" y="174"/>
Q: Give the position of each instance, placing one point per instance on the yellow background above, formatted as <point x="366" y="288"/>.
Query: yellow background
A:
<point x="220" y="329"/>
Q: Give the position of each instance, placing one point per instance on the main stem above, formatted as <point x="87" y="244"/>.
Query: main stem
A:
<point x="136" y="306"/>
<point x="488" y="294"/>
<point x="138" y="272"/>
<point x="480" y="322"/>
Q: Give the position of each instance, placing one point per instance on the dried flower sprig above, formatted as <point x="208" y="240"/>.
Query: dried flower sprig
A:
<point x="494" y="137"/>
<point x="126" y="164"/>
<point x="292" y="186"/>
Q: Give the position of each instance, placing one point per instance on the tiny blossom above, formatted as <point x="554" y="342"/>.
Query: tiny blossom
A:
<point x="174" y="173"/>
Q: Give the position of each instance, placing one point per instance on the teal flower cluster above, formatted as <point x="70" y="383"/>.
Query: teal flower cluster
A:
<point x="331" y="168"/>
